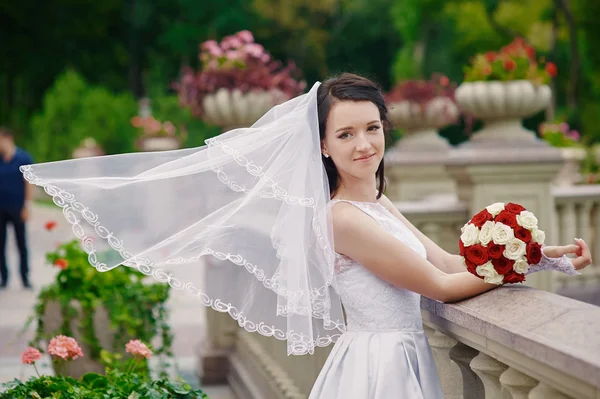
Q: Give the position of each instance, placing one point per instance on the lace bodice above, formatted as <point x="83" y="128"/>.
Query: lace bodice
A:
<point x="372" y="304"/>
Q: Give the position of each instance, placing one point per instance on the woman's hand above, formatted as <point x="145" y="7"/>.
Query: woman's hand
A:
<point x="580" y="249"/>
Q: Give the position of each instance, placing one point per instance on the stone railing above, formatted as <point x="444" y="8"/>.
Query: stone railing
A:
<point x="516" y="343"/>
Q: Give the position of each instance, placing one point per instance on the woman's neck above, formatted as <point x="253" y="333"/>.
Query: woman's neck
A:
<point x="360" y="191"/>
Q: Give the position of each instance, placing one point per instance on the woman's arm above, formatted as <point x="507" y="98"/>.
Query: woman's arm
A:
<point x="359" y="237"/>
<point x="439" y="257"/>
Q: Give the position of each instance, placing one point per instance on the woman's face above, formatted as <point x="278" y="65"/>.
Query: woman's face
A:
<point x="354" y="138"/>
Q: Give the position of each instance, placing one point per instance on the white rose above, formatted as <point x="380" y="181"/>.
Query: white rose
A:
<point x="485" y="235"/>
<point x="502" y="234"/>
<point x="496" y="208"/>
<point x="515" y="249"/>
<point x="470" y="235"/>
<point x="521" y="266"/>
<point x="489" y="274"/>
<point x="538" y="236"/>
<point x="527" y="220"/>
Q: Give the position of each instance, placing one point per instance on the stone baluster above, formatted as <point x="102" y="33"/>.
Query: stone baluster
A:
<point x="583" y="220"/>
<point x="517" y="384"/>
<point x="448" y="371"/>
<point x="545" y="391"/>
<point x="462" y="356"/>
<point x="489" y="371"/>
<point x="432" y="230"/>
<point x="568" y="222"/>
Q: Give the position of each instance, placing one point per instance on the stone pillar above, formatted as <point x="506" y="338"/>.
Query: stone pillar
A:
<point x="489" y="370"/>
<point x="491" y="169"/>
<point x="544" y="391"/>
<point x="517" y="383"/>
<point x="448" y="371"/>
<point x="416" y="172"/>
<point x="462" y="356"/>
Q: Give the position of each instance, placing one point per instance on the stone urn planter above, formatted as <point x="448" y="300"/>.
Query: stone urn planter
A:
<point x="232" y="109"/>
<point x="501" y="106"/>
<point x="421" y="122"/>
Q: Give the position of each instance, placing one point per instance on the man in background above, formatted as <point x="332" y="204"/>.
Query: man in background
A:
<point x="15" y="203"/>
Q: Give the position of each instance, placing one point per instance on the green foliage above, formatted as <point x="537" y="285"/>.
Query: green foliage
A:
<point x="136" y="309"/>
<point x="114" y="385"/>
<point x="73" y="110"/>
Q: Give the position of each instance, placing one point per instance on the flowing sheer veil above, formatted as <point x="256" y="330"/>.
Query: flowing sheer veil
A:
<point x="254" y="198"/>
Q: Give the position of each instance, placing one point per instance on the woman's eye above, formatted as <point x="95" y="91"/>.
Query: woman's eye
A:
<point x="374" y="127"/>
<point x="344" y="135"/>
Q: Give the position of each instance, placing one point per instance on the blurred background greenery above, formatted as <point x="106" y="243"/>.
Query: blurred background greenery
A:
<point x="76" y="68"/>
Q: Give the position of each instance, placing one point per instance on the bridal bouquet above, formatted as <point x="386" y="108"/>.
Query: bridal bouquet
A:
<point x="500" y="243"/>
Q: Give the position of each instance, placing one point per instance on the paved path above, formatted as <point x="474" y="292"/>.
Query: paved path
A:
<point x="16" y="305"/>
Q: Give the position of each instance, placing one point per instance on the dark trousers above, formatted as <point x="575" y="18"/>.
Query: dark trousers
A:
<point x="14" y="218"/>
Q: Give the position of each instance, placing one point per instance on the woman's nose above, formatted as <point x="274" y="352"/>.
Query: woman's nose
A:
<point x="362" y="143"/>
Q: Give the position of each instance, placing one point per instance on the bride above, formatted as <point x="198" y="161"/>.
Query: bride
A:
<point x="294" y="210"/>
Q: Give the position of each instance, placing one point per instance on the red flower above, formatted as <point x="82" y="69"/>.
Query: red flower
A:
<point x="50" y="225"/>
<point x="534" y="253"/>
<point x="510" y="65"/>
<point x="514" y="208"/>
<point x="523" y="234"/>
<point x="507" y="218"/>
<point x="513" y="277"/>
<point x="490" y="56"/>
<point x="503" y="265"/>
<point x="495" y="251"/>
<point x="461" y="248"/>
<point x="444" y="81"/>
<point x="530" y="52"/>
<point x="476" y="254"/>
<point x="472" y="267"/>
<point x="487" y="70"/>
<point x="61" y="263"/>
<point x="482" y="217"/>
<point x="551" y="69"/>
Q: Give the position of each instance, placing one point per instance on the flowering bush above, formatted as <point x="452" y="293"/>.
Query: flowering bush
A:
<point x="515" y="61"/>
<point x="559" y="134"/>
<point x="422" y="91"/>
<point x="123" y="381"/>
<point x="134" y="307"/>
<point x="237" y="62"/>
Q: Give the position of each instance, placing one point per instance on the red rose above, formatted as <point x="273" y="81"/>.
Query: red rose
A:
<point x="514" y="208"/>
<point x="503" y="265"/>
<point x="507" y="218"/>
<point x="513" y="277"/>
<point x="495" y="251"/>
<point x="476" y="254"/>
<point x="510" y="65"/>
<point x="471" y="267"/>
<point x="482" y="217"/>
<point x="523" y="234"/>
<point x="61" y="263"/>
<point x="534" y="253"/>
<point x="551" y="69"/>
<point x="461" y="248"/>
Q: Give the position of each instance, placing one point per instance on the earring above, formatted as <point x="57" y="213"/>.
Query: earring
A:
<point x="326" y="155"/>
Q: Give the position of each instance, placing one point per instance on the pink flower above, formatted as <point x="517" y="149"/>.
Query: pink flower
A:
<point x="231" y="42"/>
<point x="254" y="49"/>
<point x="64" y="347"/>
<point x="245" y="36"/>
<point x="138" y="348"/>
<point x="30" y="355"/>
<point x="233" y="55"/>
<point x="574" y="134"/>
<point x="209" y="44"/>
<point x="564" y="128"/>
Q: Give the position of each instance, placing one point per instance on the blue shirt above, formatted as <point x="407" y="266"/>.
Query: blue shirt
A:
<point x="12" y="184"/>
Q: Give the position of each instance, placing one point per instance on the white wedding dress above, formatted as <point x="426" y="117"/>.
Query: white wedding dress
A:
<point x="384" y="353"/>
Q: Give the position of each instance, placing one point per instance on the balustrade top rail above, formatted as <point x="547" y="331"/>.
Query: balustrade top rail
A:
<point x="584" y="191"/>
<point x="556" y="331"/>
